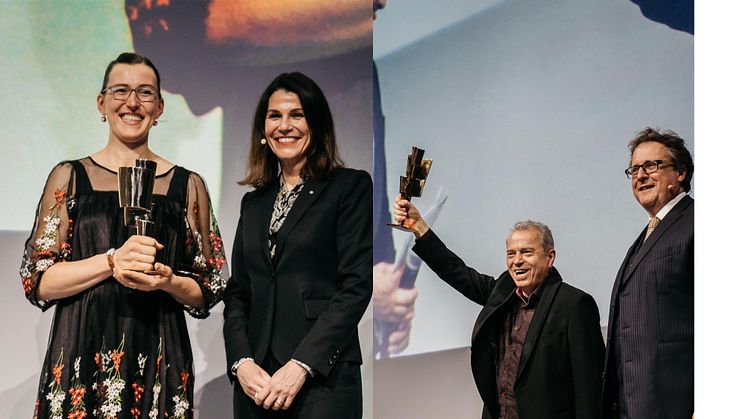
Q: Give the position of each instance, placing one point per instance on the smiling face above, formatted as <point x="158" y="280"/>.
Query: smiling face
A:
<point x="130" y="120"/>
<point x="286" y="129"/>
<point x="654" y="190"/>
<point x="528" y="262"/>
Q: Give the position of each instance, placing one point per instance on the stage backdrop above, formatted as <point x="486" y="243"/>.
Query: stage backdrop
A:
<point x="215" y="58"/>
<point x="526" y="109"/>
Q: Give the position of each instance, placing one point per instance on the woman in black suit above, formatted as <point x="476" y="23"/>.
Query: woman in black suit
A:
<point x="302" y="260"/>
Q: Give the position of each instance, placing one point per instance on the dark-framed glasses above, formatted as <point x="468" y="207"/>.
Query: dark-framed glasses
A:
<point x="650" y="166"/>
<point x="122" y="92"/>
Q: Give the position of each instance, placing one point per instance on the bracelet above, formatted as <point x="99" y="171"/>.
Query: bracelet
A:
<point x="305" y="367"/>
<point x="234" y="367"/>
<point x="110" y="258"/>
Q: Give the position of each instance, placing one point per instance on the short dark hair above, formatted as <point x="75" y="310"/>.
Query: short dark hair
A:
<point x="132" y="58"/>
<point x="321" y="153"/>
<point x="676" y="147"/>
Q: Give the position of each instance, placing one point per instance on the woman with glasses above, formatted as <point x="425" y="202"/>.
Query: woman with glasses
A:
<point x="302" y="264"/>
<point x="119" y="344"/>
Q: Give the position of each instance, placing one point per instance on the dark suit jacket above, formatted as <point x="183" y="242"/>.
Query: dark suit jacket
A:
<point x="652" y="311"/>
<point x="307" y="304"/>
<point x="559" y="375"/>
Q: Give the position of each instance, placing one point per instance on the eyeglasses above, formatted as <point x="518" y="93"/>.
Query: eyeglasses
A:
<point x="122" y="92"/>
<point x="650" y="166"/>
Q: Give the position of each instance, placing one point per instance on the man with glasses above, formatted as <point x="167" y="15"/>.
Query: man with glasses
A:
<point x="649" y="367"/>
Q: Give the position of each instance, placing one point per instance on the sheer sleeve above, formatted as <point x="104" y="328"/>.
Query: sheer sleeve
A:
<point x="50" y="238"/>
<point x="205" y="253"/>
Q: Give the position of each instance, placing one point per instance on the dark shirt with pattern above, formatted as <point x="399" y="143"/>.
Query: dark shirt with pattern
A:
<point x="512" y="331"/>
<point x="283" y="203"/>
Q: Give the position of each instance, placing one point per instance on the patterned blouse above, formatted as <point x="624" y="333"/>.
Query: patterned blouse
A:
<point x="283" y="203"/>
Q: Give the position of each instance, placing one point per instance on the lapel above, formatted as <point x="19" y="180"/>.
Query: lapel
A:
<point x="623" y="269"/>
<point x="668" y="221"/>
<point x="311" y="191"/>
<point x="551" y="286"/>
<point x="504" y="288"/>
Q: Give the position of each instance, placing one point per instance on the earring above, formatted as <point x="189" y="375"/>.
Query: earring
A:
<point x="103" y="118"/>
<point x="155" y="122"/>
<point x="263" y="141"/>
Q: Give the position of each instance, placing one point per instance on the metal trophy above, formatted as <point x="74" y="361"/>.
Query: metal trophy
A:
<point x="136" y="196"/>
<point x="413" y="181"/>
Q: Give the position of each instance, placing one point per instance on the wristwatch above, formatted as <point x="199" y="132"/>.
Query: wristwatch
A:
<point x="110" y="258"/>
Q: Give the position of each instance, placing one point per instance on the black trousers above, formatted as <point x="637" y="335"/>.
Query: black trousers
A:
<point x="338" y="396"/>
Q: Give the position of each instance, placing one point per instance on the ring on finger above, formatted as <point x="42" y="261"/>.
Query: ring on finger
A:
<point x="278" y="403"/>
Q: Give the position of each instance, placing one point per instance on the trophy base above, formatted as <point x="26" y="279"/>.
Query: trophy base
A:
<point x="399" y="227"/>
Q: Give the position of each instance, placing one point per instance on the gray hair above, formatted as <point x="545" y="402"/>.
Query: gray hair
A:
<point x="547" y="241"/>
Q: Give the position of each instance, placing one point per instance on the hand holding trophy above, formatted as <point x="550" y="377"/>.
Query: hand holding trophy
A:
<point x="406" y="263"/>
<point x="136" y="198"/>
<point x="413" y="181"/>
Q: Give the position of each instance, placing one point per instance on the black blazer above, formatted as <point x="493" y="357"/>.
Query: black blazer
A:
<point x="559" y="375"/>
<point x="652" y="310"/>
<point x="307" y="304"/>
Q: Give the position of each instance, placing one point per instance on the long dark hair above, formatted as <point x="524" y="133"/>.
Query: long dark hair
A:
<point x="321" y="154"/>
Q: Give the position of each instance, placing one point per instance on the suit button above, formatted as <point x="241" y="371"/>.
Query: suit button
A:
<point x="330" y="362"/>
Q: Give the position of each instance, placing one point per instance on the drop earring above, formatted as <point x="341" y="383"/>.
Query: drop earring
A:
<point x="103" y="118"/>
<point x="263" y="141"/>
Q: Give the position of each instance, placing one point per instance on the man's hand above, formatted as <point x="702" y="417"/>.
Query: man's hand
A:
<point x="253" y="379"/>
<point x="282" y="387"/>
<point x="409" y="216"/>
<point x="399" y="340"/>
<point x="392" y="304"/>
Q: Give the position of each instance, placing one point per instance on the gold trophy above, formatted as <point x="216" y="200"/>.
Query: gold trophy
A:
<point x="413" y="181"/>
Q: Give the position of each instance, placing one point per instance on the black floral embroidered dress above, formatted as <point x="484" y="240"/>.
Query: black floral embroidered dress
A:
<point x="115" y="352"/>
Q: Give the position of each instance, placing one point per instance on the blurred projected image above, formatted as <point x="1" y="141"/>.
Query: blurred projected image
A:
<point x="525" y="108"/>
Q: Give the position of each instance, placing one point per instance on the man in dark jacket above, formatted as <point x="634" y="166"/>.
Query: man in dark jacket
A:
<point x="649" y="368"/>
<point x="537" y="350"/>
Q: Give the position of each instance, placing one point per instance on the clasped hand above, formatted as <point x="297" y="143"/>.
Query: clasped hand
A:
<point x="393" y="304"/>
<point x="136" y="256"/>
<point x="277" y="391"/>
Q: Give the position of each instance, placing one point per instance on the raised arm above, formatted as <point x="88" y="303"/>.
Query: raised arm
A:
<point x="446" y="264"/>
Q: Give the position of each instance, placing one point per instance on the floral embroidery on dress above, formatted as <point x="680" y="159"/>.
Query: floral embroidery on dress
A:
<point x="207" y="263"/>
<point x="44" y="256"/>
<point x="77" y="392"/>
<point x="110" y="391"/>
<point x="137" y="387"/>
<point x="153" y="414"/>
<point x="181" y="401"/>
<point x="56" y="395"/>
